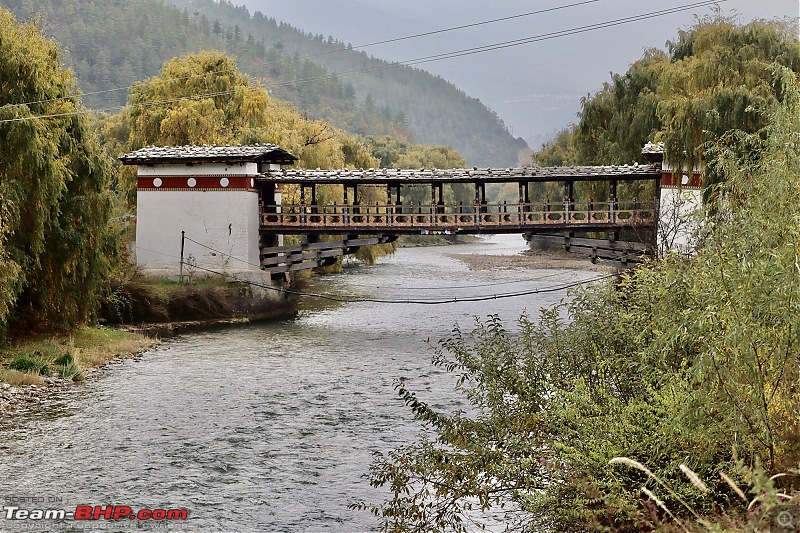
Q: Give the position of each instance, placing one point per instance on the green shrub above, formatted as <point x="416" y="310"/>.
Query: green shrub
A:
<point x="684" y="361"/>
<point x="25" y="363"/>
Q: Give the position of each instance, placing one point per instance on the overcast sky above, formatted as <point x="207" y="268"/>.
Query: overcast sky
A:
<point x="536" y="88"/>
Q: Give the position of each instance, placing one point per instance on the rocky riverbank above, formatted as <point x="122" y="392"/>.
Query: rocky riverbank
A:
<point x="35" y="369"/>
<point x="15" y="400"/>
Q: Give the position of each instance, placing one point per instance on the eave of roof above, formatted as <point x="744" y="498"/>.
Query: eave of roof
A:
<point x="458" y="175"/>
<point x="263" y="153"/>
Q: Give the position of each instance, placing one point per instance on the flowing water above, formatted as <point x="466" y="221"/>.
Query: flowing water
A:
<point x="267" y="427"/>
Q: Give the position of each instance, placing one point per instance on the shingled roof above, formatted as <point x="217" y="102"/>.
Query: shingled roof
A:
<point x="259" y="153"/>
<point x="487" y="175"/>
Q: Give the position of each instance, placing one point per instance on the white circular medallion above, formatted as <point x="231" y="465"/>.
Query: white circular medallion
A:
<point x="252" y="182"/>
<point x="157" y="182"/>
<point x="684" y="180"/>
<point x="192" y="182"/>
<point x="224" y="182"/>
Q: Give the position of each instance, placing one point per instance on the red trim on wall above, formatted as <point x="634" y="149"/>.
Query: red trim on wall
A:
<point x="670" y="180"/>
<point x="193" y="183"/>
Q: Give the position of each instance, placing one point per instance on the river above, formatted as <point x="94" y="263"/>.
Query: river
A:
<point x="266" y="427"/>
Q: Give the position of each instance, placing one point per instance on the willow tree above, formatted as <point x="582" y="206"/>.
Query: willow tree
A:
<point x="722" y="77"/>
<point x="54" y="244"/>
<point x="203" y="98"/>
<point x="715" y="77"/>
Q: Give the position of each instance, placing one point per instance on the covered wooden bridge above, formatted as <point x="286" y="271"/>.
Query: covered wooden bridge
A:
<point x="237" y="202"/>
<point x="394" y="215"/>
<point x="376" y="205"/>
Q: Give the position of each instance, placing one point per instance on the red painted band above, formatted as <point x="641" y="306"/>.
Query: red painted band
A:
<point x="195" y="182"/>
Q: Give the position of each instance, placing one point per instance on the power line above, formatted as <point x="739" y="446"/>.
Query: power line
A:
<point x="408" y="63"/>
<point x="454" y="28"/>
<point x="439" y="288"/>
<point x="336" y="51"/>
<point x="561" y="33"/>
<point x="116" y="89"/>
<point x="415" y="301"/>
<point x="459" y="287"/>
<point x="221" y="253"/>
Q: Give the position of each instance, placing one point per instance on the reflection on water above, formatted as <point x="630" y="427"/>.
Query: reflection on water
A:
<point x="267" y="427"/>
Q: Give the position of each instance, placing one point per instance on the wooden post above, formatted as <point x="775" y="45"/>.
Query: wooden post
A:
<point x="612" y="201"/>
<point x="568" y="184"/>
<point x="183" y="240"/>
<point x="527" y="207"/>
<point x="314" y="198"/>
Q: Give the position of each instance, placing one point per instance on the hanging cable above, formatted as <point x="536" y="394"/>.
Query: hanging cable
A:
<point x="395" y="65"/>
<point x="438" y="288"/>
<point x="409" y="300"/>
<point x="417" y="301"/>
<point x="338" y="50"/>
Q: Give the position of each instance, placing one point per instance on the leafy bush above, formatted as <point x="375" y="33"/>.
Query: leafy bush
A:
<point x="684" y="361"/>
<point x="25" y="363"/>
<point x="67" y="368"/>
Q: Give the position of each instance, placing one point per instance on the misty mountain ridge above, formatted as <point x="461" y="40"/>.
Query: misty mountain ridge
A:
<point x="111" y="44"/>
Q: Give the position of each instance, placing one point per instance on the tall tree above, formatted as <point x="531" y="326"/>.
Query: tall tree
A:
<point x="717" y="76"/>
<point x="54" y="238"/>
<point x="203" y="98"/>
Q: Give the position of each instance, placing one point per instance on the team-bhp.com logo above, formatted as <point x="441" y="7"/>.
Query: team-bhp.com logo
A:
<point x="96" y="512"/>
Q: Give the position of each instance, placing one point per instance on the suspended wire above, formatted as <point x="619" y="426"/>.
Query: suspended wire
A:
<point x="455" y="287"/>
<point x="394" y="65"/>
<point x="221" y="253"/>
<point x="116" y="89"/>
<point x="454" y="28"/>
<point x="561" y="33"/>
<point x="466" y="299"/>
<point x="438" y="288"/>
<point x="159" y="253"/>
<point x="336" y="51"/>
<point x="417" y="301"/>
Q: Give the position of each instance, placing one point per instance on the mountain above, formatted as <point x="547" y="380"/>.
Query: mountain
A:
<point x="113" y="43"/>
<point x="536" y="88"/>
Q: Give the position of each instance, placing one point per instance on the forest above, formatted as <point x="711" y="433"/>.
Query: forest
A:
<point x="401" y="102"/>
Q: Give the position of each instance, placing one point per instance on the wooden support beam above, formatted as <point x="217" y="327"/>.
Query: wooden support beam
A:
<point x="278" y="259"/>
<point x="627" y="246"/>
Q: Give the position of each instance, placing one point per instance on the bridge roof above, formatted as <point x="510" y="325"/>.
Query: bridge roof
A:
<point x="463" y="175"/>
<point x="259" y="153"/>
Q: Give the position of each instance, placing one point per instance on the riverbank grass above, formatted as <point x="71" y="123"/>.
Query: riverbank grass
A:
<point x="29" y="361"/>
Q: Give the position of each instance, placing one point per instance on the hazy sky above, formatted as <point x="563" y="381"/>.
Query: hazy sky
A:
<point x="535" y="88"/>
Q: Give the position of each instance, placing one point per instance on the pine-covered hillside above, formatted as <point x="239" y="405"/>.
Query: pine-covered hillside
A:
<point x="111" y="44"/>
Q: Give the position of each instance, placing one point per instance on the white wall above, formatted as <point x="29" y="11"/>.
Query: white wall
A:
<point x="205" y="169"/>
<point x="224" y="220"/>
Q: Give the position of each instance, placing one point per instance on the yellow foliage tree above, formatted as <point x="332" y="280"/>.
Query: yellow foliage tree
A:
<point x="203" y="98"/>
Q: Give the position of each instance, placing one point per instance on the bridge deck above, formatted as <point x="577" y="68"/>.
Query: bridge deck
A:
<point x="485" y="218"/>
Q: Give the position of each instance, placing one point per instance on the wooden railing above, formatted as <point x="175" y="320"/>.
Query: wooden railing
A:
<point x="457" y="218"/>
